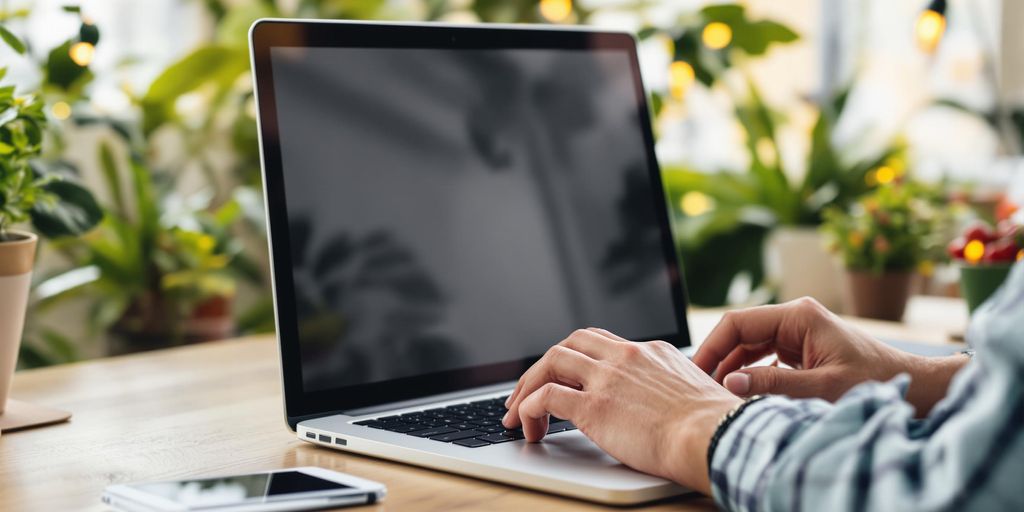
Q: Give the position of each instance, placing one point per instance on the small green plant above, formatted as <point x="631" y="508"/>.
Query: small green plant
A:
<point x="56" y="206"/>
<point x="895" y="228"/>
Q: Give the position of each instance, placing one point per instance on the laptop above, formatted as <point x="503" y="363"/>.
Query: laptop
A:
<point x="444" y="204"/>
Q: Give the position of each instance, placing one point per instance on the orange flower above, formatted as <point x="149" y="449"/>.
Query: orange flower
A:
<point x="856" y="239"/>
<point x="881" y="245"/>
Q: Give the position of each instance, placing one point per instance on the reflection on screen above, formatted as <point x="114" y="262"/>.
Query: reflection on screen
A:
<point x="452" y="208"/>
<point x="224" y="491"/>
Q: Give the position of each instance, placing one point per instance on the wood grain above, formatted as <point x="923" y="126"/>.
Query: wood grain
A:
<point x="215" y="409"/>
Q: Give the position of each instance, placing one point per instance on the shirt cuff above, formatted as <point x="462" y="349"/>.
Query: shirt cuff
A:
<point x="751" y="443"/>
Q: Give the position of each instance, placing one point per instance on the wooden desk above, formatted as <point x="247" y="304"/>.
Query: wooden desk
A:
<point x="214" y="409"/>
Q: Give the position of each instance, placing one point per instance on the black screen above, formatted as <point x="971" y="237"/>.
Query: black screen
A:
<point x="234" y="489"/>
<point x="455" y="208"/>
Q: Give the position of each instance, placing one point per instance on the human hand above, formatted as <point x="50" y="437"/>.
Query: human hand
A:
<point x="829" y="356"/>
<point x="644" y="403"/>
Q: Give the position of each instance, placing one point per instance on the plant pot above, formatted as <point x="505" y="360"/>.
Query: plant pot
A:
<point x="797" y="262"/>
<point x="150" y="323"/>
<point x="979" y="282"/>
<point x="16" y="259"/>
<point x="879" y="296"/>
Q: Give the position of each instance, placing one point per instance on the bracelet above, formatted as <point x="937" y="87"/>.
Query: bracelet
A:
<point x="724" y="423"/>
<point x="969" y="353"/>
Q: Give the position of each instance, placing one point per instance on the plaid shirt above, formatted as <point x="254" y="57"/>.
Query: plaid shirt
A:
<point x="868" y="452"/>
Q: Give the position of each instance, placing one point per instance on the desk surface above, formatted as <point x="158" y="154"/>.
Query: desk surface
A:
<point x="216" y="408"/>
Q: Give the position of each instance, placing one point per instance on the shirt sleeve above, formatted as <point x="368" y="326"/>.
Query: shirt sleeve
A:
<point x="868" y="452"/>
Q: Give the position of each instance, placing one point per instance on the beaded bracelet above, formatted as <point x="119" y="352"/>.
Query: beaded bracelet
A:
<point x="724" y="423"/>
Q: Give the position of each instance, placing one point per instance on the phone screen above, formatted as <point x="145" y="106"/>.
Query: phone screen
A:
<point x="235" y="489"/>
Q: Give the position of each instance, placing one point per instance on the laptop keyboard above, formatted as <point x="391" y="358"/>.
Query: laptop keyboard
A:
<point x="472" y="424"/>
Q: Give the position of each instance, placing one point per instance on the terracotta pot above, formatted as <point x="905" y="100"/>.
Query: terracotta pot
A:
<point x="150" y="324"/>
<point x="797" y="262"/>
<point x="879" y="296"/>
<point x="16" y="258"/>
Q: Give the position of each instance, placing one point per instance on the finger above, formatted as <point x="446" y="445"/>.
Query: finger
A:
<point x="773" y="380"/>
<point x="742" y="356"/>
<point x="550" y="399"/>
<point x="584" y="341"/>
<point x="783" y="324"/>
<point x="607" y="334"/>
<point x="560" y="364"/>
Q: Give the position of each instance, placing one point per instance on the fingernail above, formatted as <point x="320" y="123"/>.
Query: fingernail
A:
<point x="508" y="401"/>
<point x="505" y="418"/>
<point x="738" y="383"/>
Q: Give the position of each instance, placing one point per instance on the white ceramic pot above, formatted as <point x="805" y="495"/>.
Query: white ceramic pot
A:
<point x="16" y="258"/>
<point x="798" y="265"/>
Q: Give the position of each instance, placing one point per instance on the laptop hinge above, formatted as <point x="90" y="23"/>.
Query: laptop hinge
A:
<point x="432" y="399"/>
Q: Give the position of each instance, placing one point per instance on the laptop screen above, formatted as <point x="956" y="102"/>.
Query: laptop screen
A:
<point x="450" y="209"/>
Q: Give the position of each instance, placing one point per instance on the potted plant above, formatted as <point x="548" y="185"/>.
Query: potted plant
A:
<point x="985" y="256"/>
<point x="55" y="206"/>
<point x="762" y="222"/>
<point x="882" y="239"/>
<point x="151" y="279"/>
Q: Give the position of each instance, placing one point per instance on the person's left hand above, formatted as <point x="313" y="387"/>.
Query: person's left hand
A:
<point x="644" y="403"/>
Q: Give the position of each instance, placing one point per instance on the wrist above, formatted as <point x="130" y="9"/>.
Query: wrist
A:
<point x="690" y="440"/>
<point x="930" y="378"/>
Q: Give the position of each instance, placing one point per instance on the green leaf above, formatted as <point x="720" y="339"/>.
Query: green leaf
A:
<point x="754" y="38"/>
<point x="60" y="346"/>
<point x="208" y="64"/>
<point x="112" y="177"/>
<point x="233" y="29"/>
<point x="725" y="13"/>
<point x="823" y="163"/>
<point x="12" y="40"/>
<point x="63" y="72"/>
<point x="74" y="211"/>
<point x="89" y="33"/>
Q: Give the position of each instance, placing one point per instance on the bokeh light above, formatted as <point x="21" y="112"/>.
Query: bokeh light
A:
<point x="929" y="29"/>
<point x="82" y="53"/>
<point x="61" y="110"/>
<point x="555" y="11"/>
<point x="681" y="76"/>
<point x="974" y="251"/>
<point x="717" y="35"/>
<point x="695" y="203"/>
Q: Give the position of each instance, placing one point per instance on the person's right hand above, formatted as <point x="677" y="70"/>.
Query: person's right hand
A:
<point x="828" y="356"/>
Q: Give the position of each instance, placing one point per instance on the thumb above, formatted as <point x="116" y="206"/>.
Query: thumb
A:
<point x="764" y="380"/>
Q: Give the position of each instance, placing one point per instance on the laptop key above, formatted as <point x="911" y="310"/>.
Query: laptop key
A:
<point x="455" y="436"/>
<point x="405" y="428"/>
<point x="472" y="442"/>
<point x="492" y="429"/>
<point x="371" y="424"/>
<point x="560" y="426"/>
<point x="430" y="432"/>
<point x="502" y="437"/>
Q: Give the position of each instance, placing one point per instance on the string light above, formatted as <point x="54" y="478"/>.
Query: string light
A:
<point x="82" y="53"/>
<point x="61" y="110"/>
<point x="680" y="77"/>
<point x="717" y="35"/>
<point x="931" y="25"/>
<point x="555" y="11"/>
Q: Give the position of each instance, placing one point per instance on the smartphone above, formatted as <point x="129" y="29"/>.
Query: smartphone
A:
<point x="293" y="489"/>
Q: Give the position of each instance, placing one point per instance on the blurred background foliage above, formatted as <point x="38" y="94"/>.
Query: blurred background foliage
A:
<point x="180" y="254"/>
